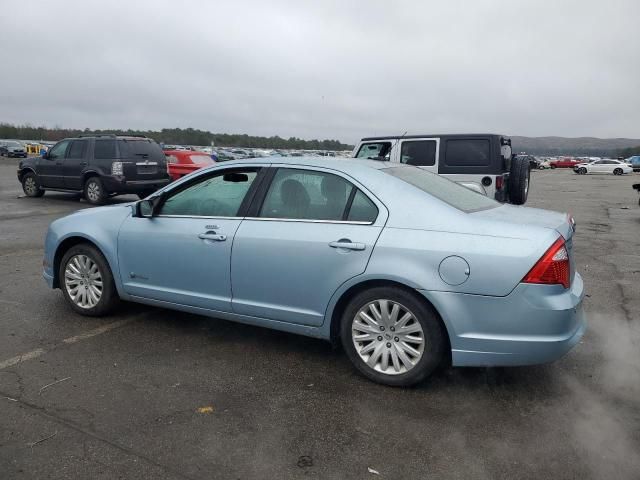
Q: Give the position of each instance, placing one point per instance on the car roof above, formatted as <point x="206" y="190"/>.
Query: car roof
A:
<point x="343" y="164"/>
<point x="434" y="135"/>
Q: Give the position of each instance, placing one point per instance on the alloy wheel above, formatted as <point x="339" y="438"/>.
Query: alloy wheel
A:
<point x="83" y="281"/>
<point x="388" y="337"/>
<point x="30" y="186"/>
<point x="93" y="191"/>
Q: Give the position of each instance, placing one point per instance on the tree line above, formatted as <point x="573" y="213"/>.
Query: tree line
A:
<point x="179" y="136"/>
<point x="629" y="152"/>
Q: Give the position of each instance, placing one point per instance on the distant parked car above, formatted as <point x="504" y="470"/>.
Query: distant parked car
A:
<point x="544" y="164"/>
<point x="616" y="167"/>
<point x="634" y="162"/>
<point x="183" y="162"/>
<point x="11" y="148"/>
<point x="564" y="163"/>
<point x="97" y="166"/>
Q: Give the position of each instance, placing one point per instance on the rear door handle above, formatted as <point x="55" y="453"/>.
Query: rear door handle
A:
<point x="212" y="236"/>
<point x="348" y="245"/>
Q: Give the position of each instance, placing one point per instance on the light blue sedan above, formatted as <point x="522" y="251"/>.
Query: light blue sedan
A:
<point x="405" y="268"/>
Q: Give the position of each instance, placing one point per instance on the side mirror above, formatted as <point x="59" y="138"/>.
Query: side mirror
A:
<point x="144" y="209"/>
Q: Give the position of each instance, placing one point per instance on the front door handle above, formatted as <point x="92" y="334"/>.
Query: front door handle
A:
<point x="212" y="236"/>
<point x="348" y="245"/>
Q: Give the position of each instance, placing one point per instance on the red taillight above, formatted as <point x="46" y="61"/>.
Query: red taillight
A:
<point x="552" y="268"/>
<point x="499" y="182"/>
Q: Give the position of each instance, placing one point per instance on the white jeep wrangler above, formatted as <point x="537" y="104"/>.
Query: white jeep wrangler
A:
<point x="481" y="162"/>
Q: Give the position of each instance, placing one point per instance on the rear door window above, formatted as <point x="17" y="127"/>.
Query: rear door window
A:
<point x="77" y="149"/>
<point x="105" y="149"/>
<point x="419" y="153"/>
<point x="468" y="153"/>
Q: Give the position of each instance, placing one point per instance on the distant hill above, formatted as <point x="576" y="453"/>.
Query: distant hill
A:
<point x="588" y="146"/>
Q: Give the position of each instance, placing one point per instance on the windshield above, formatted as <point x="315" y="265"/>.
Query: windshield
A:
<point x="449" y="192"/>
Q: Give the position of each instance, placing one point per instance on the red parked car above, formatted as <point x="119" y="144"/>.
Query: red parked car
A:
<point x="183" y="162"/>
<point x="564" y="163"/>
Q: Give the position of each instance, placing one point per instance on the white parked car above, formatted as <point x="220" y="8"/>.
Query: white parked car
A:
<point x="603" y="166"/>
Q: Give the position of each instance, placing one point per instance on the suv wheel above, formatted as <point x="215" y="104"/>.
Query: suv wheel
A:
<point x="30" y="185"/>
<point x="391" y="337"/>
<point x="519" y="179"/>
<point x="94" y="191"/>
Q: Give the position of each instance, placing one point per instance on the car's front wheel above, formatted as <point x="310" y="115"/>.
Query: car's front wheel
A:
<point x="94" y="192"/>
<point x="392" y="337"/>
<point x="86" y="281"/>
<point x="31" y="186"/>
<point x="582" y="171"/>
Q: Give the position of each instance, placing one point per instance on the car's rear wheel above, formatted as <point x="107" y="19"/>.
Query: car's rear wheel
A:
<point x="31" y="186"/>
<point x="617" y="171"/>
<point x="392" y="337"/>
<point x="86" y="281"/>
<point x="519" y="179"/>
<point x="94" y="192"/>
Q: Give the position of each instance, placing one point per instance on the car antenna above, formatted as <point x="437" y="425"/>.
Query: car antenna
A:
<point x="395" y="143"/>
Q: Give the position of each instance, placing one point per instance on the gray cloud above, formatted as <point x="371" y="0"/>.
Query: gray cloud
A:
<point x="331" y="69"/>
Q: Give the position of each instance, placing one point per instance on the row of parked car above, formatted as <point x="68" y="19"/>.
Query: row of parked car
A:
<point x="593" y="165"/>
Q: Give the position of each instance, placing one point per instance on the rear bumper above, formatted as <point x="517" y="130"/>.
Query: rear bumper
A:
<point x="115" y="184"/>
<point x="17" y="154"/>
<point x="534" y="324"/>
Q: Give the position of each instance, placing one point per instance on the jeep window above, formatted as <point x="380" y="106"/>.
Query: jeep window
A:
<point x="375" y="151"/>
<point x="421" y="152"/>
<point x="77" y="149"/>
<point x="442" y="188"/>
<point x="142" y="149"/>
<point x="468" y="153"/>
<point x="105" y="149"/>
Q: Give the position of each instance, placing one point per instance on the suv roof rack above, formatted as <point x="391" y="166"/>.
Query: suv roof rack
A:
<point x="97" y="135"/>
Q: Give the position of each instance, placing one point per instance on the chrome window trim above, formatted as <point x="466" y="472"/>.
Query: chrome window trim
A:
<point x="306" y="220"/>
<point x="198" y="216"/>
<point x="343" y="222"/>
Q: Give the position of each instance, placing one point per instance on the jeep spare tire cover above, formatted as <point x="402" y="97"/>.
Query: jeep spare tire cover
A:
<point x="519" y="180"/>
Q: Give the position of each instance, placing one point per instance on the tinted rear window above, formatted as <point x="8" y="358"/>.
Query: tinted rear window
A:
<point x="142" y="149"/>
<point x="449" y="192"/>
<point x="468" y="153"/>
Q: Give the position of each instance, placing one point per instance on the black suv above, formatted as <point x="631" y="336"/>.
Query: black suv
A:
<point x="98" y="166"/>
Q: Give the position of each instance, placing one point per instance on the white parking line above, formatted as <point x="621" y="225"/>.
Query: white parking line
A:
<point x="76" y="338"/>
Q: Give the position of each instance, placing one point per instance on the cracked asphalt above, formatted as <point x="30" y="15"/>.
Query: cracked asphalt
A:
<point x="151" y="393"/>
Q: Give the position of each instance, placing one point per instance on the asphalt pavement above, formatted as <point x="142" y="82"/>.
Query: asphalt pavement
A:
<point x="152" y="393"/>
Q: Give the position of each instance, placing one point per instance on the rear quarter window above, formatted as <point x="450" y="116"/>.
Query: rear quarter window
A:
<point x="468" y="153"/>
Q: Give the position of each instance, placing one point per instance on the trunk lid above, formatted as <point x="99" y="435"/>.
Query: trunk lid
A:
<point x="561" y="222"/>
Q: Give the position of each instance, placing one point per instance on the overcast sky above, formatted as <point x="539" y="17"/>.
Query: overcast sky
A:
<point x="324" y="69"/>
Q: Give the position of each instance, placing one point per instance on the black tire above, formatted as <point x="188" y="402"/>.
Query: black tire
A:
<point x="582" y="171"/>
<point x="94" y="192"/>
<point x="109" y="298"/>
<point x="144" y="194"/>
<point x="552" y="167"/>
<point x="519" y="179"/>
<point x="31" y="185"/>
<point x="617" y="171"/>
<point x="433" y="330"/>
